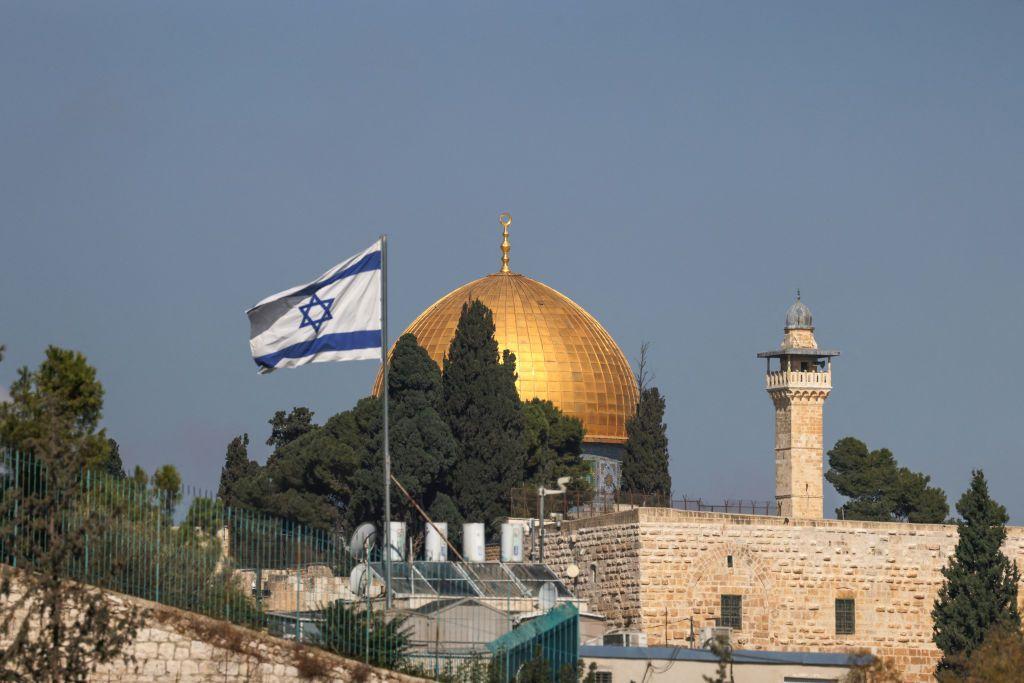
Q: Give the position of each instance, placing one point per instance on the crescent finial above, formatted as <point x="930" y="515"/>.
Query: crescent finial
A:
<point x="506" y="220"/>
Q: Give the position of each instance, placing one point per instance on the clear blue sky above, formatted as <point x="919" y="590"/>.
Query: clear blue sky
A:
<point x="677" y="169"/>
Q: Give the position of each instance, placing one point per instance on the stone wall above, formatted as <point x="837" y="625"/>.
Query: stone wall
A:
<point x="183" y="647"/>
<point x="652" y="569"/>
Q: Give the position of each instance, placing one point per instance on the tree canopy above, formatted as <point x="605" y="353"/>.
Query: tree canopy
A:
<point x="980" y="589"/>
<point x="460" y="442"/>
<point x="879" y="489"/>
<point x="286" y="427"/>
<point x="55" y="630"/>
<point x="423" y="449"/>
<point x="554" y="441"/>
<point x="237" y="469"/>
<point x="63" y="390"/>
<point x="645" y="464"/>
<point x="485" y="415"/>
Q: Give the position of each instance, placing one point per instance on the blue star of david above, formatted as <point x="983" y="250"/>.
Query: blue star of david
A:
<point x="307" y="320"/>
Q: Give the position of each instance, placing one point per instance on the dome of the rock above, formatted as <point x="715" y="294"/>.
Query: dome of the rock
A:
<point x="562" y="353"/>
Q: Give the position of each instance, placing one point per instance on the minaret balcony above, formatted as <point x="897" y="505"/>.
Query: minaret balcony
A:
<point x="795" y="379"/>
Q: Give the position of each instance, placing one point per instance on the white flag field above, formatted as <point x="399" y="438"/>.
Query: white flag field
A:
<point x="336" y="317"/>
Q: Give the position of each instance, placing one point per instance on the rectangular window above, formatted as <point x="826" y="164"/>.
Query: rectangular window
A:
<point x="846" y="622"/>
<point x="732" y="612"/>
<point x="602" y="677"/>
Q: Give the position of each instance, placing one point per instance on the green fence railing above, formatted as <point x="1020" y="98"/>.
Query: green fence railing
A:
<point x="550" y="641"/>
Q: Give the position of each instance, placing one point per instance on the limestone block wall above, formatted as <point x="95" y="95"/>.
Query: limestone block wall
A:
<point x="788" y="572"/>
<point x="182" y="647"/>
<point x="607" y="550"/>
<point x="188" y="648"/>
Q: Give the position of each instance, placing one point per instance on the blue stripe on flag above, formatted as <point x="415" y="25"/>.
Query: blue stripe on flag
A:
<point x="339" y="341"/>
<point x="369" y="262"/>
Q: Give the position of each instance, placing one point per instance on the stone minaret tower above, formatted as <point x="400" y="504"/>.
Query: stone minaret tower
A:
<point x="798" y="383"/>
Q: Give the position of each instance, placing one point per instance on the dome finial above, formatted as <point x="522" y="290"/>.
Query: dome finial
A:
<point x="506" y="220"/>
<point x="798" y="294"/>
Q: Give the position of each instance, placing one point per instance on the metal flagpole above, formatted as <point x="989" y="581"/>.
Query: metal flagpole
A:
<point x="387" y="445"/>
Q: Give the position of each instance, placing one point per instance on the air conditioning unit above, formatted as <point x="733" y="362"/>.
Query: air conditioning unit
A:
<point x="710" y="634"/>
<point x="626" y="639"/>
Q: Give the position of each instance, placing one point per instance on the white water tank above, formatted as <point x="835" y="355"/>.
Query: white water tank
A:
<point x="511" y="542"/>
<point x="518" y="541"/>
<point x="473" y="542"/>
<point x="436" y="546"/>
<point x="397" y="549"/>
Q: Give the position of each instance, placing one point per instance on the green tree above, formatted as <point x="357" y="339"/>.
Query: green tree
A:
<point x="423" y="449"/>
<point x="66" y="386"/>
<point x="554" y="441"/>
<point x="139" y="478"/>
<point x="56" y="630"/>
<point x="485" y="416"/>
<point x="167" y="488"/>
<point x="285" y="428"/>
<point x="310" y="479"/>
<point x="114" y="466"/>
<point x="645" y="464"/>
<point x="237" y="468"/>
<point x="879" y="489"/>
<point x="980" y="591"/>
<point x="352" y="631"/>
<point x="999" y="659"/>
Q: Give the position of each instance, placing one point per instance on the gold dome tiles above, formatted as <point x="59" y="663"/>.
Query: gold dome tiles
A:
<point x="562" y="353"/>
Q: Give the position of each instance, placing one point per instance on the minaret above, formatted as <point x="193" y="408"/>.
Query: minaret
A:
<point x="799" y="384"/>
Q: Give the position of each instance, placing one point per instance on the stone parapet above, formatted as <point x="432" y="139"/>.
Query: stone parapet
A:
<point x="174" y="645"/>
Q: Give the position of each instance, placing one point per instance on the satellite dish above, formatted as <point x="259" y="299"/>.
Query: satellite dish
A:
<point x="572" y="571"/>
<point x="363" y="537"/>
<point x="357" y="579"/>
<point x="547" y="597"/>
<point x="362" y="582"/>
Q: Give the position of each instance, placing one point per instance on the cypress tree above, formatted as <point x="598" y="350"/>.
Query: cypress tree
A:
<point x="645" y="465"/>
<point x="237" y="467"/>
<point x="485" y="416"/>
<point x="423" y="449"/>
<point x="980" y="591"/>
<point x="114" y="466"/>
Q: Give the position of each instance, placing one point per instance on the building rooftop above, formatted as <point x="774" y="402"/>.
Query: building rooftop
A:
<point x="685" y="654"/>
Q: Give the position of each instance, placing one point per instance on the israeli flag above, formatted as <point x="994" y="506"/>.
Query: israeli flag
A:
<point x="335" y="317"/>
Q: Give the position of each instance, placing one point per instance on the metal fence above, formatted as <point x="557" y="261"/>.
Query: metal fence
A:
<point x="188" y="550"/>
<point x="551" y="642"/>
<point x="575" y="505"/>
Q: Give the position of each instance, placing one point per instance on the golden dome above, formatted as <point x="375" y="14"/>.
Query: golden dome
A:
<point x="562" y="353"/>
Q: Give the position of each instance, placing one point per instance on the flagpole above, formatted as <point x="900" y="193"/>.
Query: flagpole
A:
<point x="387" y="444"/>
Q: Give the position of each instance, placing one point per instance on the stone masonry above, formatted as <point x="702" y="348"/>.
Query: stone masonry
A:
<point x="651" y="569"/>
<point x="184" y="647"/>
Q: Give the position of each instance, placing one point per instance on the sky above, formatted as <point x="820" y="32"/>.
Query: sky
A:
<point x="678" y="169"/>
